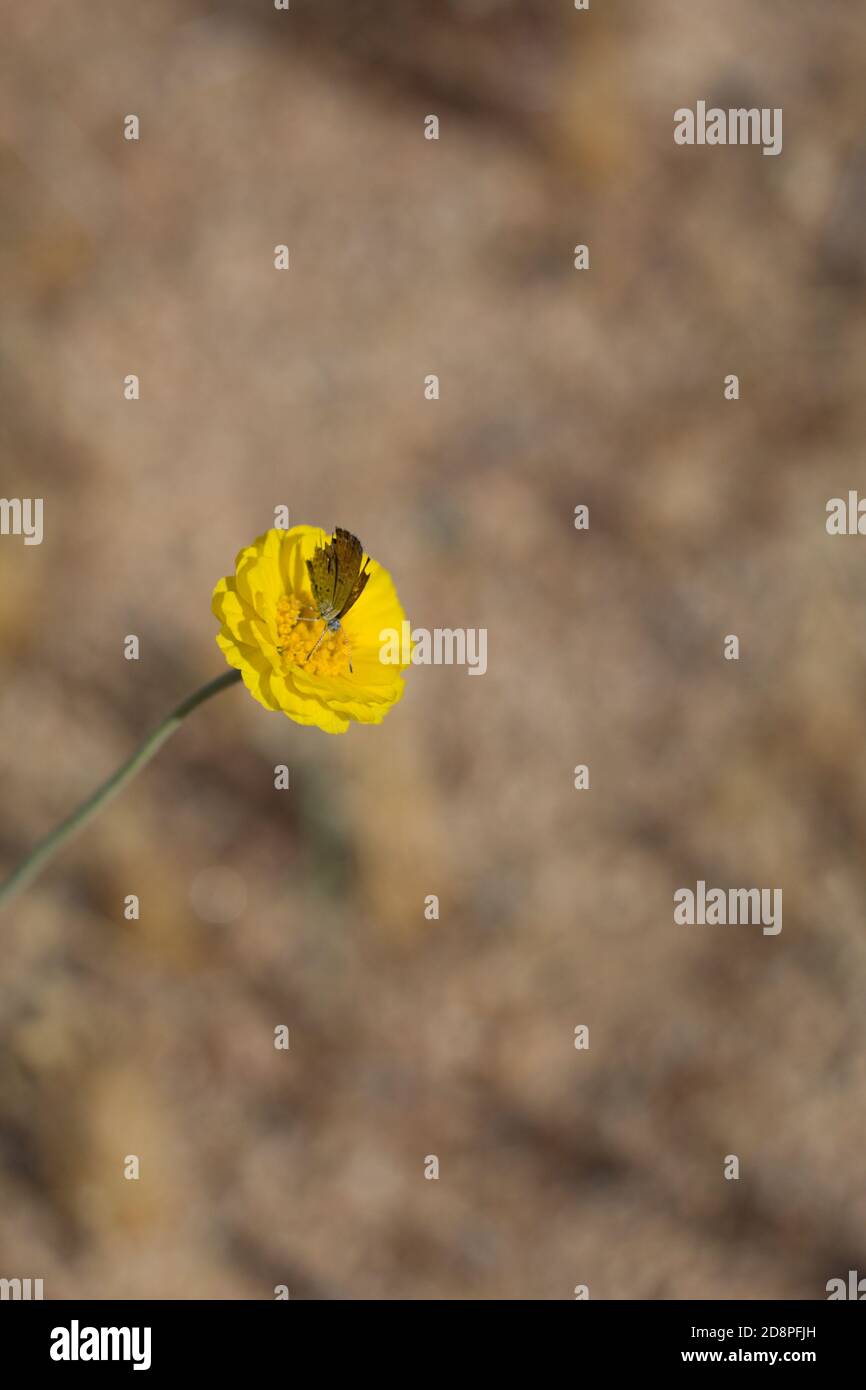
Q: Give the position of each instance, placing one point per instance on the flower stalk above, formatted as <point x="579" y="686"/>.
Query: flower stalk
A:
<point x="37" y="859"/>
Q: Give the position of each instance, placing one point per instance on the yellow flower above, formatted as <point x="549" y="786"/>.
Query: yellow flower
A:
<point x="263" y="608"/>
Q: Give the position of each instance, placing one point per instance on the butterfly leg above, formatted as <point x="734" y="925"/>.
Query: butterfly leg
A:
<point x="319" y="641"/>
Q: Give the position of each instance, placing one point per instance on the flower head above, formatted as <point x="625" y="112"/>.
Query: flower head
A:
<point x="291" y="660"/>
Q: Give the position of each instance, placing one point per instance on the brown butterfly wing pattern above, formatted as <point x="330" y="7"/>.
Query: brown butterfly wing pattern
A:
<point x="322" y="571"/>
<point x="336" y="575"/>
<point x="353" y="563"/>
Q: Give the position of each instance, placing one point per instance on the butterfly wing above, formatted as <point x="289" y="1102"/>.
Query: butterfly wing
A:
<point x="336" y="577"/>
<point x="353" y="578"/>
<point x="356" y="591"/>
<point x="322" y="569"/>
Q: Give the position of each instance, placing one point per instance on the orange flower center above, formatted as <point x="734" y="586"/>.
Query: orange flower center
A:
<point x="297" y="636"/>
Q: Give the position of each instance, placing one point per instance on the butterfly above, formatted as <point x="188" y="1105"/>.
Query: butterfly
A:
<point x="337" y="578"/>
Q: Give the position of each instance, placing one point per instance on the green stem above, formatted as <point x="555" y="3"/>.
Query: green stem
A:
<point x="47" y="848"/>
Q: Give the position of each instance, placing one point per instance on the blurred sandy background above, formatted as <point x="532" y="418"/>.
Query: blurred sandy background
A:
<point x="454" y="1037"/>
